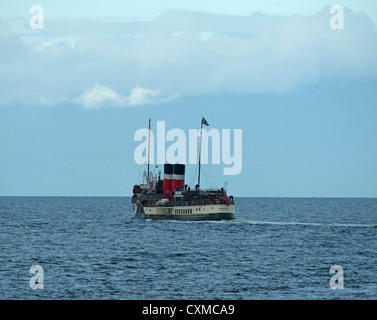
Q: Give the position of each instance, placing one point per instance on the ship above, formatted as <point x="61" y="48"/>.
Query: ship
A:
<point x="171" y="198"/>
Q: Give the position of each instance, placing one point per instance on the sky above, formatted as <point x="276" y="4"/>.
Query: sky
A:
<point x="73" y="94"/>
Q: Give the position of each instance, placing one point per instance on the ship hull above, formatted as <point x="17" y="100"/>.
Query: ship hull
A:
<point x="203" y="212"/>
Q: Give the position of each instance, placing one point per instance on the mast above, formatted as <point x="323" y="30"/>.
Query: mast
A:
<point x="200" y="151"/>
<point x="149" y="139"/>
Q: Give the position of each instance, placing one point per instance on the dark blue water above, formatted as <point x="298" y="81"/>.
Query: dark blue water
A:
<point x="276" y="248"/>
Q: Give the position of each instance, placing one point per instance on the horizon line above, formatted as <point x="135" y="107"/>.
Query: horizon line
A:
<point x="123" y="196"/>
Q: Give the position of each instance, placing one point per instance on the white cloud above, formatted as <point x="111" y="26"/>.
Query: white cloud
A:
<point x="102" y="96"/>
<point x="98" y="96"/>
<point x="182" y="54"/>
<point x="140" y="96"/>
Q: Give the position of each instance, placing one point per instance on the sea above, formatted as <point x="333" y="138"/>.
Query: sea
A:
<point x="92" y="248"/>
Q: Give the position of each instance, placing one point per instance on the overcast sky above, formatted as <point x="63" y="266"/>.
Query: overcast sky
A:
<point x="73" y="94"/>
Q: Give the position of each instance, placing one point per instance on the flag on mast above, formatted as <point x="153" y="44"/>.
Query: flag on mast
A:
<point x="204" y="121"/>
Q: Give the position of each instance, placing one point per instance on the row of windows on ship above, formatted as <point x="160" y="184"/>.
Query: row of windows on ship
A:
<point x="182" y="211"/>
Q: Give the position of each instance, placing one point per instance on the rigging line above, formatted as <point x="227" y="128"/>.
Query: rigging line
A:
<point x="210" y="175"/>
<point x="205" y="177"/>
<point x="138" y="178"/>
<point x="193" y="176"/>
